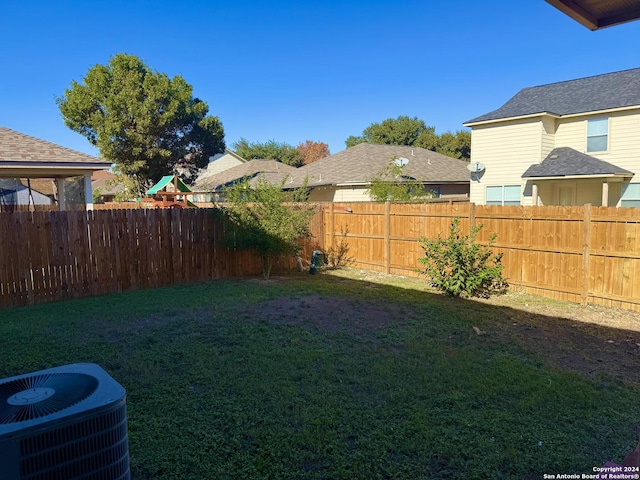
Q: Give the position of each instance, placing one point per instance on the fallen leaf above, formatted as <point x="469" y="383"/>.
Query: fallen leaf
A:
<point x="478" y="331"/>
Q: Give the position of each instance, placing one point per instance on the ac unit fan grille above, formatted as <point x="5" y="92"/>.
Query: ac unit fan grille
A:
<point x="95" y="448"/>
<point x="39" y="395"/>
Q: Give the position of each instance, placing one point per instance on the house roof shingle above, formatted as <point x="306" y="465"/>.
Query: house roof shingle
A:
<point x="567" y="162"/>
<point x="361" y="163"/>
<point x="272" y="170"/>
<point x="590" y="94"/>
<point x="19" y="147"/>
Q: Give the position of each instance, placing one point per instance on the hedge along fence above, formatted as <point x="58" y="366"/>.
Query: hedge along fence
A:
<point x="580" y="254"/>
<point x="50" y="256"/>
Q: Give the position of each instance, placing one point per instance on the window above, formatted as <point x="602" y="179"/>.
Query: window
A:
<point x="435" y="191"/>
<point x="507" y="195"/>
<point x="630" y="195"/>
<point x="597" y="134"/>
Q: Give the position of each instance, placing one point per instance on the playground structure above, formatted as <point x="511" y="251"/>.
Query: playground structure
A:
<point x="169" y="192"/>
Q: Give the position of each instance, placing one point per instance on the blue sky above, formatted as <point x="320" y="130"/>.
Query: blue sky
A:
<point x="292" y="71"/>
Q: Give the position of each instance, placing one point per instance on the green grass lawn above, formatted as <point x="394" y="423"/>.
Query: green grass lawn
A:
<point x="328" y="377"/>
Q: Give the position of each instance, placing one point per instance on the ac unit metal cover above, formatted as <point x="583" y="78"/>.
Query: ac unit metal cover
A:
<point x="64" y="423"/>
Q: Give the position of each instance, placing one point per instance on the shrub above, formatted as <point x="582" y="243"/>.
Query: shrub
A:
<point x="338" y="255"/>
<point x="457" y="265"/>
<point x="267" y="218"/>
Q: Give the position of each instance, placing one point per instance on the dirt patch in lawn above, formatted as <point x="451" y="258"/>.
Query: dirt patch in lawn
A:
<point x="591" y="340"/>
<point x="328" y="313"/>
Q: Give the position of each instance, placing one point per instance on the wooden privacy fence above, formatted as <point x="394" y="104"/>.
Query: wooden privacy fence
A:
<point x="581" y="254"/>
<point x="49" y="255"/>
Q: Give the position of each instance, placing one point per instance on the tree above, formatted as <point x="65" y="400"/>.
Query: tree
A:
<point x="268" y="219"/>
<point x="143" y="121"/>
<point x="456" y="145"/>
<point x="271" y="150"/>
<point x="312" y="151"/>
<point x="414" y="132"/>
<point x="400" y="131"/>
<point x="390" y="185"/>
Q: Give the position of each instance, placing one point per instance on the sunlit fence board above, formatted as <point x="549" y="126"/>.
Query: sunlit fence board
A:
<point x="589" y="254"/>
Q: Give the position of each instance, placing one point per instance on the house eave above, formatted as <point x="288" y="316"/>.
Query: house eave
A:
<point x="552" y="115"/>
<point x="351" y="184"/>
<point x="48" y="169"/>
<point x="602" y="112"/>
<point x="508" y="119"/>
<point x="616" y="177"/>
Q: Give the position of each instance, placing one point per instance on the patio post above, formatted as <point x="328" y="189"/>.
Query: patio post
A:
<point x="62" y="204"/>
<point x="88" y="192"/>
<point x="605" y="194"/>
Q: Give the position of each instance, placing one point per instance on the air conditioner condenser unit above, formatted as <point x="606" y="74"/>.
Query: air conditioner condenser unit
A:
<point x="63" y="423"/>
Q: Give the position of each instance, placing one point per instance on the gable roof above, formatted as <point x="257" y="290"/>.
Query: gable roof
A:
<point x="272" y="170"/>
<point x="590" y="94"/>
<point x="567" y="162"/>
<point x="218" y="163"/>
<point x="21" y="154"/>
<point x="359" y="164"/>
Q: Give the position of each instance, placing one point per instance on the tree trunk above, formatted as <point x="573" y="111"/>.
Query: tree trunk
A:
<point x="267" y="263"/>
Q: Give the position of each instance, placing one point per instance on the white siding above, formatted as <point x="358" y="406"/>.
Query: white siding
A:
<point x="548" y="136"/>
<point x="506" y="149"/>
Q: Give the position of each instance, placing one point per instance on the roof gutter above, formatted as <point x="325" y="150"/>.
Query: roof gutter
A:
<point x="553" y="115"/>
<point x="617" y="176"/>
<point x="75" y="165"/>
<point x="505" y="119"/>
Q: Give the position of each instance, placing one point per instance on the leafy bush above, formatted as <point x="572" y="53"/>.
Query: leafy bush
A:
<point x="457" y="265"/>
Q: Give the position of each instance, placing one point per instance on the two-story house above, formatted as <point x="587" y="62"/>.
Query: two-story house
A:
<point x="566" y="143"/>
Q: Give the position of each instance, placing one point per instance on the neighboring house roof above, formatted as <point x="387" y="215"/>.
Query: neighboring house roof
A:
<point x="217" y="164"/>
<point x="567" y="162"/>
<point x="590" y="94"/>
<point x="25" y="156"/>
<point x="271" y="170"/>
<point x="45" y="186"/>
<point x="106" y="183"/>
<point x="226" y="152"/>
<point x="168" y="180"/>
<point x="102" y="175"/>
<point x="361" y="163"/>
<point x="596" y="14"/>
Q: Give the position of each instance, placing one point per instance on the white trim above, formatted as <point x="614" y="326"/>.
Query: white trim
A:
<point x="553" y="115"/>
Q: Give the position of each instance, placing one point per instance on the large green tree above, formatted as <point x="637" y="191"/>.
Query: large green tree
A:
<point x="271" y="150"/>
<point x="148" y="124"/>
<point x="268" y="219"/>
<point x="414" y="132"/>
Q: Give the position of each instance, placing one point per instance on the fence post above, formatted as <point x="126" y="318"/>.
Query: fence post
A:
<point x="332" y="231"/>
<point x="586" y="245"/>
<point x="387" y="237"/>
<point x="472" y="215"/>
